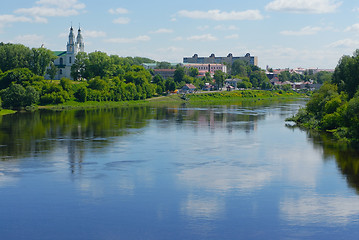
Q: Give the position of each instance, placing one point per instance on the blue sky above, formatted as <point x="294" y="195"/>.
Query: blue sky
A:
<point x="282" y="33"/>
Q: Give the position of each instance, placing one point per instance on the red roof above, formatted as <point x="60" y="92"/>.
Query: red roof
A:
<point x="191" y="86"/>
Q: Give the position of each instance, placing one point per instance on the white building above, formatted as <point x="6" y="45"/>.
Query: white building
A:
<point x="65" y="59"/>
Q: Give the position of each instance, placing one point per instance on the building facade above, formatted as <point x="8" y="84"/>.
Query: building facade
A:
<point x="65" y="59"/>
<point x="252" y="60"/>
<point x="203" y="68"/>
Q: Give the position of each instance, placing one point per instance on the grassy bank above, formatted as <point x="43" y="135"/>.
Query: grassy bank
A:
<point x="244" y="95"/>
<point x="6" y="112"/>
<point x="195" y="99"/>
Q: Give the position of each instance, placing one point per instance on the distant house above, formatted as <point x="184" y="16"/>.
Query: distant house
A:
<point x="232" y="82"/>
<point x="207" y="87"/>
<point x="188" y="88"/>
<point x="230" y="88"/>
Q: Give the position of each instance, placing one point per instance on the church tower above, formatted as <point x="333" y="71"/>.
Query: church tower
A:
<point x="80" y="41"/>
<point x="71" y="47"/>
<point x="65" y="59"/>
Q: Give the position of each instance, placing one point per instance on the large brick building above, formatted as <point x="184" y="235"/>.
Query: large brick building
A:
<point x="252" y="60"/>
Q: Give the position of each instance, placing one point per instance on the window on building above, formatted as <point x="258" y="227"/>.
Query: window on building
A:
<point x="61" y="61"/>
<point x="60" y="71"/>
<point x="70" y="60"/>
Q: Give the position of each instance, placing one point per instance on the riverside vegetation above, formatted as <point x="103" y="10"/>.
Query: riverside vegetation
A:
<point x="335" y="107"/>
<point x="107" y="79"/>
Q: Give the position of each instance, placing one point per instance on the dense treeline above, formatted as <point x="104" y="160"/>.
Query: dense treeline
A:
<point x="335" y="107"/>
<point x="252" y="76"/>
<point x="18" y="56"/>
<point x="100" y="77"/>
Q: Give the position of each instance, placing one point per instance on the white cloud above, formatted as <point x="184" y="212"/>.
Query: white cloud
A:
<point x="47" y="12"/>
<point x="304" y="6"/>
<point x="12" y="19"/>
<point x="353" y="28"/>
<point x="226" y="28"/>
<point x="218" y="15"/>
<point x="122" y="20"/>
<point x="30" y="40"/>
<point x="9" y="18"/>
<point x="52" y="8"/>
<point x="233" y="36"/>
<point x="344" y="43"/>
<point x="94" y="34"/>
<point x="203" y="28"/>
<point x="62" y="3"/>
<point x="163" y="30"/>
<point x="205" y="37"/>
<point x="142" y="38"/>
<point x="118" y="11"/>
<point x="302" y="32"/>
<point x="178" y="39"/>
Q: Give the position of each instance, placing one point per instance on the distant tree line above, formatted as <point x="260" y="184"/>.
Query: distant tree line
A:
<point x="319" y="77"/>
<point x="100" y="77"/>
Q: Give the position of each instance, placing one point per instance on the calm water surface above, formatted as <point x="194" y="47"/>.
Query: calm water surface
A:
<point x="219" y="172"/>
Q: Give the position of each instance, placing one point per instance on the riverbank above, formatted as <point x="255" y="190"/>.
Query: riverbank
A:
<point x="6" y="112"/>
<point x="202" y="98"/>
<point x="242" y="95"/>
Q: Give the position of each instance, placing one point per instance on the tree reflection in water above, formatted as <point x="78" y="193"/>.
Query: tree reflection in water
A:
<point x="42" y="132"/>
<point x="347" y="157"/>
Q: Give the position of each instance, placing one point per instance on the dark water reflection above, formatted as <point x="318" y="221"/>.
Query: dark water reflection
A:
<point x="218" y="172"/>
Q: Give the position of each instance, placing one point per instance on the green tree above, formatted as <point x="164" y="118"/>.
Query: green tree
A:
<point x="40" y="59"/>
<point x="81" y="94"/>
<point x="66" y="84"/>
<point x="31" y="96"/>
<point x="346" y="74"/>
<point x="163" y="65"/>
<point x="284" y="76"/>
<point x="17" y="75"/>
<point x="138" y="75"/>
<point x="52" y="70"/>
<point x="219" y="77"/>
<point x="78" y="69"/>
<point x="323" y="76"/>
<point x="98" y="64"/>
<point x="193" y="72"/>
<point x="14" y="56"/>
<point x="98" y="84"/>
<point x="240" y="68"/>
<point x="179" y="74"/>
<point x="13" y="96"/>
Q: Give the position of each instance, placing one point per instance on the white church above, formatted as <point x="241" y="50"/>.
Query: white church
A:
<point x="65" y="59"/>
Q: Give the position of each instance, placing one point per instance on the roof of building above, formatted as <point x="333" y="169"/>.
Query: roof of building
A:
<point x="164" y="70"/>
<point x="190" y="86"/>
<point x="59" y="53"/>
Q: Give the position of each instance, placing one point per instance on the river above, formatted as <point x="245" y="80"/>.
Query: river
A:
<point x="216" y="172"/>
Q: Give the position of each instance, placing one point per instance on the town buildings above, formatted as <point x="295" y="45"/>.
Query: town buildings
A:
<point x="202" y="69"/>
<point x="252" y="60"/>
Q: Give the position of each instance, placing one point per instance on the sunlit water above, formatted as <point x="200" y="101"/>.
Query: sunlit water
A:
<point x="219" y="172"/>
